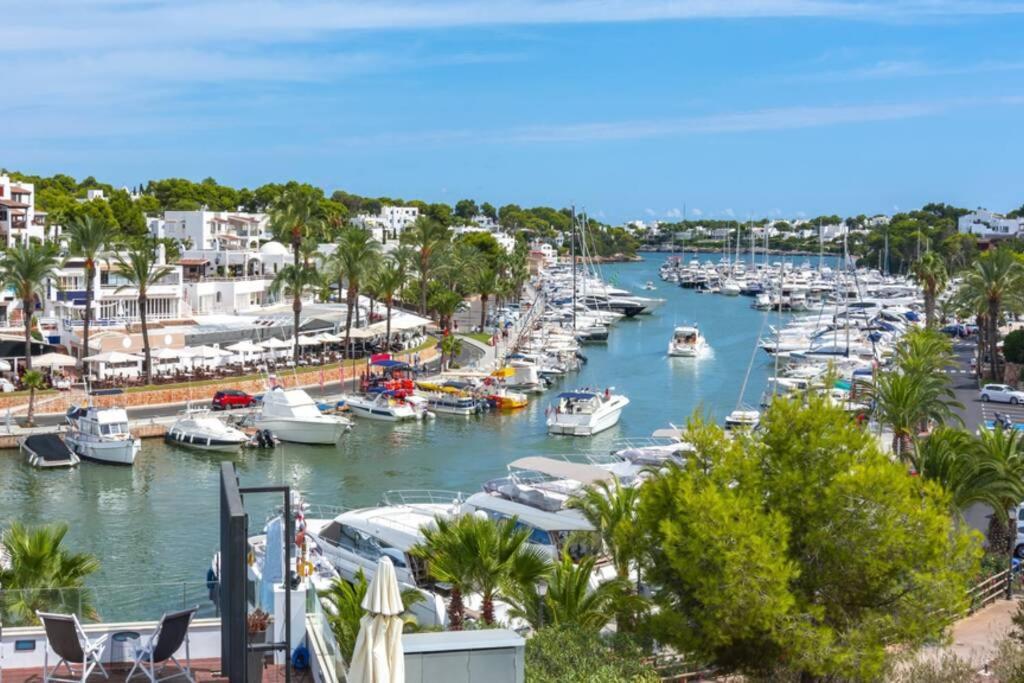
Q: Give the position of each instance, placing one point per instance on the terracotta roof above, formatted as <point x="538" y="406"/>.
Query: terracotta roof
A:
<point x="20" y="190"/>
<point x="193" y="261"/>
<point x="13" y="204"/>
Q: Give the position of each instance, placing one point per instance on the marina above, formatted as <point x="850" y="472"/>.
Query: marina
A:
<point x="132" y="517"/>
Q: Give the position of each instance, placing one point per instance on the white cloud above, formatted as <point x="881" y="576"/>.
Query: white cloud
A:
<point x="650" y="212"/>
<point x="888" y="69"/>
<point x="696" y="212"/>
<point x="673" y="213"/>
<point x="729" y="212"/>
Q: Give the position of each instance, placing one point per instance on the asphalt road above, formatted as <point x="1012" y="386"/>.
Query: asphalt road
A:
<point x="965" y="385"/>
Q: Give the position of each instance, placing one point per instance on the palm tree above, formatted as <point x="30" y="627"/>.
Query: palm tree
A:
<point x="26" y="270"/>
<point x="570" y="598"/>
<point x="908" y="402"/>
<point x="953" y="458"/>
<point x="139" y="266"/>
<point x="444" y="303"/>
<point x="994" y="284"/>
<point x="611" y="509"/>
<point x="429" y="239"/>
<point x="930" y="273"/>
<point x="33" y="381"/>
<point x="88" y="238"/>
<point x="345" y="609"/>
<point x="1002" y="454"/>
<point x="479" y="555"/>
<point x="485" y="283"/>
<point x="293" y="217"/>
<point x="451" y="347"/>
<point x="42" y="575"/>
<point x="353" y="263"/>
<point x="388" y="281"/>
<point x="924" y="352"/>
<point x="295" y="279"/>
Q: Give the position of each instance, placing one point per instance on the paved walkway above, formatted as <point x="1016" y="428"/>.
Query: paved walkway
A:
<point x="975" y="638"/>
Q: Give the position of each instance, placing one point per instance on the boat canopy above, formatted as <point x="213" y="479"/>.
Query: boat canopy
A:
<point x="391" y="364"/>
<point x="585" y="474"/>
<point x="582" y="395"/>
<point x="566" y="520"/>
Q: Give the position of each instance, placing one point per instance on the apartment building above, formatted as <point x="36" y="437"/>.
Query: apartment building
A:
<point x="213" y="229"/>
<point x="19" y="220"/>
<point x="985" y="223"/>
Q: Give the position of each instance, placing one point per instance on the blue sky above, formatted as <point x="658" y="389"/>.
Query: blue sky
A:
<point x="630" y="109"/>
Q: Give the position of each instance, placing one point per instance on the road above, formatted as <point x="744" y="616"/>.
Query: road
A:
<point x="965" y="385"/>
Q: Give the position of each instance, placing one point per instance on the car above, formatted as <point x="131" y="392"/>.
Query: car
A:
<point x="232" y="398"/>
<point x="1001" y="393"/>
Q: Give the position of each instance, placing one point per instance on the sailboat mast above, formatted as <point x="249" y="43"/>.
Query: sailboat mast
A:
<point x="572" y="251"/>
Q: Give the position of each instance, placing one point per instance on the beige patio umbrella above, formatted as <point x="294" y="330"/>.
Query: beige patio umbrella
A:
<point x="378" y="656"/>
<point x="54" y="360"/>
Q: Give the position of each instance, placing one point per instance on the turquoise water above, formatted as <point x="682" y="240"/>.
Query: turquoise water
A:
<point x="154" y="526"/>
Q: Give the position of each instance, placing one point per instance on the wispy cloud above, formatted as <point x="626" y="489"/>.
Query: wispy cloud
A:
<point x="673" y="213"/>
<point x="889" y="69"/>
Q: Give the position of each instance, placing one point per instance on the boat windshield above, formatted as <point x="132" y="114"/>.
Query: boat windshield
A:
<point x="114" y="429"/>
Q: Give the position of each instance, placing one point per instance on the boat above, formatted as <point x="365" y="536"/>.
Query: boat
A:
<point x="585" y="413"/>
<point x="198" y="428"/>
<point x="101" y="434"/>
<point x="650" y="286"/>
<point x="742" y="419"/>
<point x="47" y="450"/>
<point x="291" y="415"/>
<point x="592" y="333"/>
<point x="384" y="406"/>
<point x="730" y="288"/>
<point x="453" y="403"/>
<point x="503" y="398"/>
<point x="687" y="341"/>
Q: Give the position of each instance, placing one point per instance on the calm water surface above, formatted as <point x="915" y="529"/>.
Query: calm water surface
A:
<point x="154" y="526"/>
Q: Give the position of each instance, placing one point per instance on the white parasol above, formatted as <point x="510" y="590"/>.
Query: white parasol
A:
<point x="378" y="656"/>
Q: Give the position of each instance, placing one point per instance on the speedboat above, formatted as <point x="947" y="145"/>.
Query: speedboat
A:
<point x="585" y="413"/>
<point x="650" y="286"/>
<point x="47" y="450"/>
<point x="687" y="341"/>
<point x="730" y="288"/>
<point x="385" y="406"/>
<point x="291" y="415"/>
<point x="742" y="419"/>
<point x="101" y="434"/>
<point x="198" y="428"/>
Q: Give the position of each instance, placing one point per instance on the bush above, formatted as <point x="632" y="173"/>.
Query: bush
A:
<point x="1008" y="666"/>
<point x="1013" y="347"/>
<point x="570" y="654"/>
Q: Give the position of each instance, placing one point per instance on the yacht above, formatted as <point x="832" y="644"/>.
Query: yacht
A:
<point x="101" y="434"/>
<point x="742" y="419"/>
<point x="291" y="415"/>
<point x="585" y="413"/>
<point x="730" y="288"/>
<point x="198" y="428"/>
<point x="384" y="406"/>
<point x="687" y="341"/>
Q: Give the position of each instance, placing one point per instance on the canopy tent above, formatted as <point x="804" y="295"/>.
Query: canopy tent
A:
<point x="377" y="656"/>
<point x="275" y="344"/>
<point x="360" y="333"/>
<point x="112" y="357"/>
<point x="400" y="322"/>
<point x="245" y="346"/>
<point x="166" y="354"/>
<point x="210" y="352"/>
<point x="51" y="360"/>
<point x="308" y="340"/>
<point x="328" y="338"/>
<point x="585" y="474"/>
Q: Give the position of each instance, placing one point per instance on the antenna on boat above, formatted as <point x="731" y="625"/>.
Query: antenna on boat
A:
<point x="572" y="250"/>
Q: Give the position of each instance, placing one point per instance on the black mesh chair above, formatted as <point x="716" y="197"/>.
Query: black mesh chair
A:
<point x="170" y="634"/>
<point x="65" y="637"/>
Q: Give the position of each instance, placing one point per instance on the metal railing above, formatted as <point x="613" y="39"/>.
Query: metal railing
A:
<point x="421" y="497"/>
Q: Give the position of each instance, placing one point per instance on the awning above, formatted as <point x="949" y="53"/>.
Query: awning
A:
<point x="585" y="474"/>
<point x="193" y="262"/>
<point x="113" y="357"/>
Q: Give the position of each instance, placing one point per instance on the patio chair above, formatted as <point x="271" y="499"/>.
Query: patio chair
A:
<point x="170" y="633"/>
<point x="65" y="637"/>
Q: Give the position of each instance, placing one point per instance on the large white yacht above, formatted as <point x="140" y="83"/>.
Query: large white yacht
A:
<point x="687" y="341"/>
<point x="291" y="415"/>
<point x="197" y="428"/>
<point x="101" y="434"/>
<point x="585" y="413"/>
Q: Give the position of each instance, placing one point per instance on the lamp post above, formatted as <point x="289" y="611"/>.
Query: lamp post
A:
<point x="542" y="591"/>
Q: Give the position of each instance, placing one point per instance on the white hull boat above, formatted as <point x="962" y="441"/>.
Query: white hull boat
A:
<point x="584" y="413"/>
<point x="381" y="407"/>
<point x="200" y="430"/>
<point x="101" y="435"/>
<point x="291" y="415"/>
<point x="687" y="342"/>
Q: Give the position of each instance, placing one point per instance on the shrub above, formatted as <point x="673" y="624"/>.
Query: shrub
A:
<point x="1008" y="665"/>
<point x="1013" y="347"/>
<point x="570" y="654"/>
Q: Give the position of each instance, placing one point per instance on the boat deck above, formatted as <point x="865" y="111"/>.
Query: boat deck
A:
<point x="204" y="671"/>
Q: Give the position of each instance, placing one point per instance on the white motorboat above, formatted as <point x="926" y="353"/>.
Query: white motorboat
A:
<point x="650" y="286"/>
<point x="47" y="450"/>
<point x="198" y="428"/>
<point x="687" y="341"/>
<point x="730" y="288"/>
<point x="291" y="415"/>
<point x="382" y="406"/>
<point x="585" y="413"/>
<point x="101" y="434"/>
<point x="742" y="419"/>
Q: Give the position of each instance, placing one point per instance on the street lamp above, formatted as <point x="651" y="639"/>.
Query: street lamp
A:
<point x="542" y="590"/>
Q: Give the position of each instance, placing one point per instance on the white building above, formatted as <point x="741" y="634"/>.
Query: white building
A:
<point x="398" y="218"/>
<point x="19" y="220"/>
<point x="985" y="223"/>
<point x="231" y="280"/>
<point x="834" y="231"/>
<point x="213" y="229"/>
<point x="504" y="240"/>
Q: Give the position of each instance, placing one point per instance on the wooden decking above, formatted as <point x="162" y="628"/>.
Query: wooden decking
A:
<point x="204" y="671"/>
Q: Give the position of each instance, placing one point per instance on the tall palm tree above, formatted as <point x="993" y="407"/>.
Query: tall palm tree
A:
<point x="88" y="237"/>
<point x="570" y="599"/>
<point x="1002" y="454"/>
<point x="26" y="269"/>
<point x="479" y="555"/>
<point x="924" y="352"/>
<point x="139" y="266"/>
<point x="430" y="240"/>
<point x="485" y="283"/>
<point x="954" y="459"/>
<point x="43" y="575"/>
<point x="930" y="273"/>
<point x="353" y="263"/>
<point x="389" y="281"/>
<point x="295" y="279"/>
<point x="908" y="402"/>
<point x="33" y="381"/>
<point x="294" y="216"/>
<point x="611" y="509"/>
<point x="994" y="284"/>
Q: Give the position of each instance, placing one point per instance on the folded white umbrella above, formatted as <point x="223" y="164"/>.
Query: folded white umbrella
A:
<point x="378" y="656"/>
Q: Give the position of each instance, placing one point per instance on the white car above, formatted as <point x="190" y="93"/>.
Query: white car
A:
<point x="1001" y="393"/>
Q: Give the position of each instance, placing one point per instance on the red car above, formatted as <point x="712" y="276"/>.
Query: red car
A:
<point x="232" y="398"/>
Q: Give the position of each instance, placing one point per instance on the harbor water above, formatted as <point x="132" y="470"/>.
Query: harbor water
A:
<point x="154" y="526"/>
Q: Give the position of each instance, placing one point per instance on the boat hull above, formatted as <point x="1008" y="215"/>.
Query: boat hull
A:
<point x="586" y="425"/>
<point x="300" y="431"/>
<point x="107" y="452"/>
<point x="204" y="443"/>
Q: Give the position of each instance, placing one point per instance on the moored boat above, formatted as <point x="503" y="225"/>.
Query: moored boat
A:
<point x="101" y="434"/>
<point x="47" y="450"/>
<point x="198" y="428"/>
<point x="585" y="413"/>
<point x="291" y="415"/>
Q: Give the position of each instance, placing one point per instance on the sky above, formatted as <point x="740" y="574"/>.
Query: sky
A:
<point x="627" y="108"/>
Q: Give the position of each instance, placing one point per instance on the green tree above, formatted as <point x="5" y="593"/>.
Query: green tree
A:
<point x="994" y="284"/>
<point x="388" y="281"/>
<point x="353" y="263"/>
<point x="485" y="283"/>
<point x="41" y="574"/>
<point x="930" y="273"/>
<point x="33" y="381"/>
<point x="1013" y="347"/>
<point x="295" y="279"/>
<point x="1001" y="452"/>
<point x="142" y="271"/>
<point x="570" y="653"/>
<point x="479" y="555"/>
<point x="908" y="402"/>
<point x="88" y="238"/>
<point x="430" y="240"/>
<point x="26" y="269"/>
<point x="466" y="209"/>
<point x="802" y="547"/>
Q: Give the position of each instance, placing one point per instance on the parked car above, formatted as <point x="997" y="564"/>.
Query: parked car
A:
<point x="232" y="398"/>
<point x="1001" y="393"/>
